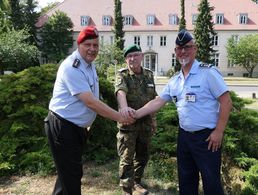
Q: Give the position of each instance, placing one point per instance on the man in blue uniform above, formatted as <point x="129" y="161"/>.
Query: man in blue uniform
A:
<point x="203" y="104"/>
<point x="73" y="109"/>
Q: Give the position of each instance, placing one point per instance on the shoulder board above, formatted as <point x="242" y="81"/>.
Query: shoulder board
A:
<point x="122" y="69"/>
<point x="203" y="65"/>
<point x="76" y="63"/>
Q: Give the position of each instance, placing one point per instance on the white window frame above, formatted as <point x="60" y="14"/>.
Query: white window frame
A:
<point x="173" y="19"/>
<point x="219" y="18"/>
<point x="85" y="20"/>
<point x="111" y="40"/>
<point x="128" y="20"/>
<point x="243" y="18"/>
<point x="149" y="40"/>
<point x="173" y="62"/>
<point x="215" y="40"/>
<point x="137" y="40"/>
<point x="150" y="19"/>
<point x="216" y="59"/>
<point x="236" y="38"/>
<point x="194" y="18"/>
<point x="106" y="20"/>
<point x="163" y="40"/>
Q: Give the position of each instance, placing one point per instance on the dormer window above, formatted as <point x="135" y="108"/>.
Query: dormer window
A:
<point x="243" y="18"/>
<point x="85" y="20"/>
<point x="219" y="18"/>
<point x="173" y="19"/>
<point x="106" y="20"/>
<point x="128" y="20"/>
<point x="150" y="19"/>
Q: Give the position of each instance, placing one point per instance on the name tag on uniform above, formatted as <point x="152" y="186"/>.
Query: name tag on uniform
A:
<point x="150" y="85"/>
<point x="190" y="97"/>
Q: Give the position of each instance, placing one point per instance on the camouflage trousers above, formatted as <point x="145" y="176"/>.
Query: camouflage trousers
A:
<point x="133" y="149"/>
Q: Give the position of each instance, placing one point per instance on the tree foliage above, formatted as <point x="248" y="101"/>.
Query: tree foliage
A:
<point x="56" y="37"/>
<point x="15" y="53"/>
<point x="182" y="21"/>
<point x="245" y="52"/>
<point x="118" y="25"/>
<point x="204" y="32"/>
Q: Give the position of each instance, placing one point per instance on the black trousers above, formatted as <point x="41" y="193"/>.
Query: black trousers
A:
<point x="193" y="157"/>
<point x="66" y="142"/>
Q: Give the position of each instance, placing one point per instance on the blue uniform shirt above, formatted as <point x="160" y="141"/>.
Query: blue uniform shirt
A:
<point x="70" y="82"/>
<point x="196" y="96"/>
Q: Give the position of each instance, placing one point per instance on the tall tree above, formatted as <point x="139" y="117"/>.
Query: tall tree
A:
<point x="119" y="33"/>
<point x="245" y="52"/>
<point x="30" y="19"/>
<point x="56" y="37"/>
<point x="182" y="21"/>
<point x="204" y="32"/>
<point x="16" y="14"/>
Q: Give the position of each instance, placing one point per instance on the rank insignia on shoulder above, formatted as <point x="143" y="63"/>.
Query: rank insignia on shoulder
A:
<point x="203" y="65"/>
<point x="76" y="63"/>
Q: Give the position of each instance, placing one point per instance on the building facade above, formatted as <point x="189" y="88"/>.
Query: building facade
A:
<point x="154" y="26"/>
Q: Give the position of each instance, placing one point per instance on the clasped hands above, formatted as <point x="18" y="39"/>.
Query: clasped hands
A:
<point x="129" y="115"/>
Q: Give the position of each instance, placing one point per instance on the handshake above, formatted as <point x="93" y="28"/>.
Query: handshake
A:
<point x="128" y="115"/>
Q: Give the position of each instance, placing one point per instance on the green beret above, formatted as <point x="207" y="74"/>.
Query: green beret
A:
<point x="132" y="48"/>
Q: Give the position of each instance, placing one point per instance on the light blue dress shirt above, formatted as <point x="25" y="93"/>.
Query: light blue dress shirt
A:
<point x="196" y="96"/>
<point x="70" y="82"/>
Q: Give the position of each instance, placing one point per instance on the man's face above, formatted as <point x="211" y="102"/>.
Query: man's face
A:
<point x="89" y="49"/>
<point x="134" y="60"/>
<point x="186" y="54"/>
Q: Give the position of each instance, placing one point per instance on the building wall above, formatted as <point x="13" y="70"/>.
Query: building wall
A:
<point x="139" y="9"/>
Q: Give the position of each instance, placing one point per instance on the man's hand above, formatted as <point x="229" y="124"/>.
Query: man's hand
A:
<point x="126" y="112"/>
<point x="215" y="140"/>
<point x="126" y="120"/>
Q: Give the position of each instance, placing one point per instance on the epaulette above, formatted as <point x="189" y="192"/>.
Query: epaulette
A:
<point x="203" y="65"/>
<point x="76" y="63"/>
<point x="148" y="69"/>
<point x="122" y="69"/>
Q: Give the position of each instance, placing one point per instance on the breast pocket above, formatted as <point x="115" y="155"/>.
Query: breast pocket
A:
<point x="196" y="90"/>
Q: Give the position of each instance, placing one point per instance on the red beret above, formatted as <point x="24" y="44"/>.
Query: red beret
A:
<point x="90" y="32"/>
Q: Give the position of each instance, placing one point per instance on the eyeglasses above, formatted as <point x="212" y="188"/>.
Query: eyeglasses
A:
<point x="185" y="47"/>
<point x="133" y="55"/>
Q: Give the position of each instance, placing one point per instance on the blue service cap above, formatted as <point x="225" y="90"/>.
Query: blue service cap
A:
<point x="183" y="37"/>
<point x="132" y="48"/>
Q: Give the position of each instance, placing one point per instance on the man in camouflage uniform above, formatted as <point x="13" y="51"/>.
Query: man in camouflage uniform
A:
<point x="134" y="88"/>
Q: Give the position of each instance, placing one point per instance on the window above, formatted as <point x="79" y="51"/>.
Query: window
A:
<point x="231" y="64"/>
<point x="137" y="40"/>
<point x="163" y="40"/>
<point x="219" y="18"/>
<point x="111" y="40"/>
<point x="106" y="20"/>
<point x="235" y="38"/>
<point x="173" y="19"/>
<point x="149" y="40"/>
<point x="215" y="40"/>
<point x="101" y="40"/>
<point x="150" y="19"/>
<point x="243" y="18"/>
<point x="216" y="59"/>
<point x="128" y="20"/>
<point x="245" y="74"/>
<point x="85" y="20"/>
<point x="173" y="60"/>
<point x="230" y="74"/>
<point x="194" y="18"/>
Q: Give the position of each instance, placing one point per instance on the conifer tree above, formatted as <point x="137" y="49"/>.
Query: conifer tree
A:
<point x="204" y="32"/>
<point x="182" y="22"/>
<point x="118" y="26"/>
